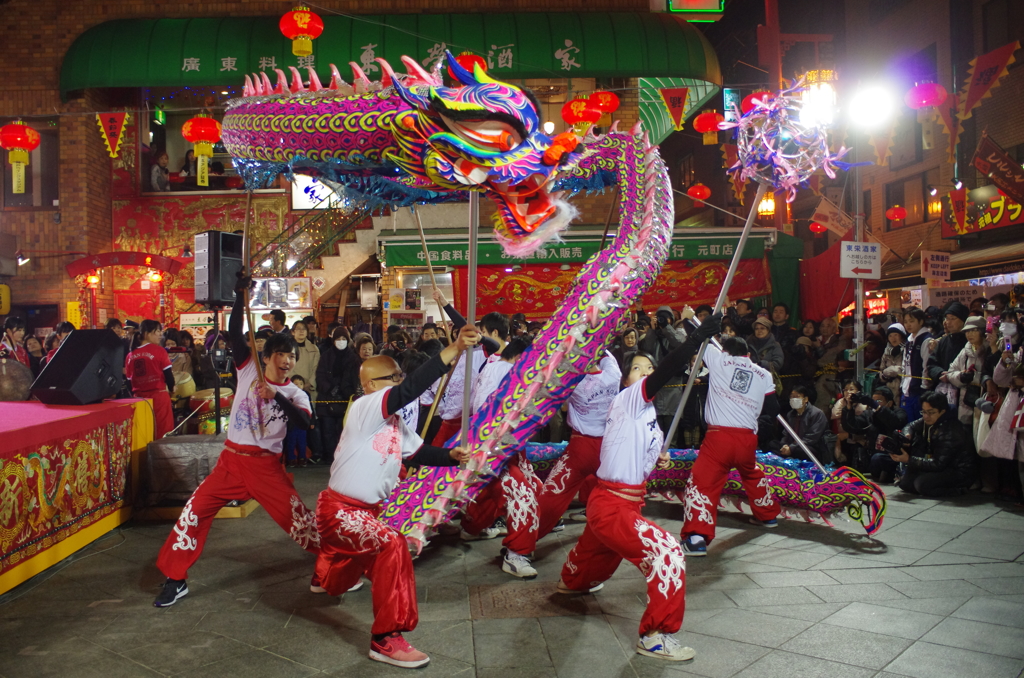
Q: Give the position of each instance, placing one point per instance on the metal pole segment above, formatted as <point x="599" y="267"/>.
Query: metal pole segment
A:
<point x="719" y="302"/>
<point x="467" y="391"/>
<point x="803" y="446"/>
<point x="858" y="307"/>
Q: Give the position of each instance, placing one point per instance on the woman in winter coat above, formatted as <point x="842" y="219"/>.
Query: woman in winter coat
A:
<point x="891" y="364"/>
<point x="764" y="349"/>
<point x="307" y="359"/>
<point x="966" y="369"/>
<point x="337" y="379"/>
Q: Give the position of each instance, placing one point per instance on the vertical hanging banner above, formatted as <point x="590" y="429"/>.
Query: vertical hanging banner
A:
<point x="991" y="160"/>
<point x="675" y="102"/>
<point x="882" y="143"/>
<point x="950" y="119"/>
<point x="985" y="73"/>
<point x="730" y="153"/>
<point x="112" y="126"/>
<point x="958" y="203"/>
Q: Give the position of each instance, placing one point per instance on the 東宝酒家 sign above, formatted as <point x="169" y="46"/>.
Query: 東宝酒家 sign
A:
<point x="860" y="260"/>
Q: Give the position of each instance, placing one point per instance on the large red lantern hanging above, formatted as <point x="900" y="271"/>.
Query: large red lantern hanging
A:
<point x="301" y="26"/>
<point x="699" y="193"/>
<point x="18" y="139"/>
<point x="817" y="228"/>
<point x="204" y="132"/>
<point x="748" y="104"/>
<point x="707" y="124"/>
<point x="581" y="114"/>
<point x="606" y="102"/>
<point x="925" y="95"/>
<point x="469" y="61"/>
<point x="896" y="213"/>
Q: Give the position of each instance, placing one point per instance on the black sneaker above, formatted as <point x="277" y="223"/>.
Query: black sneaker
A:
<point x="501" y="526"/>
<point x="173" y="589"/>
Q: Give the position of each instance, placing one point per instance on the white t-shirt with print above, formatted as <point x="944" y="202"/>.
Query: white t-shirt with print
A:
<point x="590" y="401"/>
<point x="371" y="449"/>
<point x="736" y="390"/>
<point x="488" y="380"/>
<point x="450" y="406"/>
<point x="249" y="410"/>
<point x="632" y="438"/>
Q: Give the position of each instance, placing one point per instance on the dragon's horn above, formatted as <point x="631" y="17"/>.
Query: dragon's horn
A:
<point x="460" y="73"/>
<point x="389" y="74"/>
<point x="638" y="129"/>
<point x="359" y="80"/>
<point x="297" y="85"/>
<point x="247" y="88"/>
<point x="413" y="68"/>
<point x="282" y="82"/>
<point x="481" y="76"/>
<point x="268" y="88"/>
<point x="336" y="80"/>
<point x="314" y="81"/>
<point x="614" y="127"/>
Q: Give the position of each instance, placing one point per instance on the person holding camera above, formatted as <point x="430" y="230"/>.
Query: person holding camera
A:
<point x="965" y="371"/>
<point x="880" y="415"/>
<point x="939" y="462"/>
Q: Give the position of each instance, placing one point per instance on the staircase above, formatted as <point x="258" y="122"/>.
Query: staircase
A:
<point x="299" y="245"/>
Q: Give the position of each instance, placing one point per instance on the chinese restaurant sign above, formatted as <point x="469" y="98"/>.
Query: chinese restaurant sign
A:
<point x="457" y="254"/>
<point x="987" y="208"/>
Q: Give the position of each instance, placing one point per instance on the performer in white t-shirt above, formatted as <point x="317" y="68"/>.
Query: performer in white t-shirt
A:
<point x="739" y="391"/>
<point x="250" y="465"/>
<point x="375" y="444"/>
<point x="615" y="528"/>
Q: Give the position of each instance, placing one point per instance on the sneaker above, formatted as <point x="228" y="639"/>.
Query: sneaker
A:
<point x="694" y="545"/>
<point x="770" y="524"/>
<point x="664" y="646"/>
<point x="172" y="591"/>
<point x="355" y="587"/>
<point x="518" y="566"/>
<point x="486" y="533"/>
<point x="315" y="587"/>
<point x="396" y="650"/>
<point x="579" y="516"/>
<point x="501" y="526"/>
<point x="563" y="589"/>
<point x="559" y="526"/>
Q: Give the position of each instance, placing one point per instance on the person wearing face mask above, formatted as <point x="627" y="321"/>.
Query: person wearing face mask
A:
<point x="337" y="376"/>
<point x="810" y="425"/>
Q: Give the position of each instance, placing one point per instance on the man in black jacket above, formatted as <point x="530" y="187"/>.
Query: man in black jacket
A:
<point x="949" y="346"/>
<point x="940" y="461"/>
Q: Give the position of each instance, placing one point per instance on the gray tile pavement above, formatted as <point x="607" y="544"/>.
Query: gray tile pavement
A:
<point x="939" y="592"/>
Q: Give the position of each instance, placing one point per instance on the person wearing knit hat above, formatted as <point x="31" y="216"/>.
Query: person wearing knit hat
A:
<point x="891" y="363"/>
<point x="946" y="349"/>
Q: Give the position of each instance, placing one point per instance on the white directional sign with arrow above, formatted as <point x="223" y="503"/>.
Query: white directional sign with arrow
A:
<point x="860" y="260"/>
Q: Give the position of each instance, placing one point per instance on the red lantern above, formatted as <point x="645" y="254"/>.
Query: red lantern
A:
<point x="301" y="26"/>
<point x="204" y="132"/>
<point x="748" y="101"/>
<point x="581" y="114"/>
<point x="18" y="139"/>
<point x="699" y="193"/>
<point x="469" y="61"/>
<point x="817" y="228"/>
<point x="606" y="102"/>
<point x="896" y="213"/>
<point x="707" y="124"/>
<point x="925" y="95"/>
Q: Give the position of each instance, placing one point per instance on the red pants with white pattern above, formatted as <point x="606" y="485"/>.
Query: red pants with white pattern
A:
<point x="724" y="449"/>
<point x="354" y="542"/>
<point x="568" y="476"/>
<point x="237" y="476"/>
<point x="515" y="495"/>
<point x="616" y="530"/>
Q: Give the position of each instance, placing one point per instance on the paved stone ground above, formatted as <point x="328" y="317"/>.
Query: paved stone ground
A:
<point x="939" y="593"/>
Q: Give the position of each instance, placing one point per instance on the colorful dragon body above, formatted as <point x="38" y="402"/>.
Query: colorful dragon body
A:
<point x="409" y="140"/>
<point x="799" y="486"/>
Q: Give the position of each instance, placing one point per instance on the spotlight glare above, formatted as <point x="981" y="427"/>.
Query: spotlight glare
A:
<point x="871" y="108"/>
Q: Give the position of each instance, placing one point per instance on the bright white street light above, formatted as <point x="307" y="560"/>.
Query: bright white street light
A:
<point x="818" y="99"/>
<point x="549" y="127"/>
<point x="872" y="107"/>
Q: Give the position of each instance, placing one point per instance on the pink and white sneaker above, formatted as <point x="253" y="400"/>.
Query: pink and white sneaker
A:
<point x="395" y="650"/>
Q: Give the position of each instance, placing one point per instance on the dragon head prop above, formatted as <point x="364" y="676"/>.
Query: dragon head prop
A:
<point x="487" y="136"/>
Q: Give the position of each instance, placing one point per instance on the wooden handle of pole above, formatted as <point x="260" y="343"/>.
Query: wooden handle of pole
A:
<point x="426" y="257"/>
<point x="246" y="270"/>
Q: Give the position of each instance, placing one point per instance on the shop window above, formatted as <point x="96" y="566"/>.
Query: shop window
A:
<point x="418" y="280"/>
<point x="1003" y="22"/>
<point x="912" y="193"/>
<point x="41" y="175"/>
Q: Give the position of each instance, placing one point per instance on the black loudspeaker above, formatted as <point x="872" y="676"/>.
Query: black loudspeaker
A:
<point x="218" y="258"/>
<point x="88" y="367"/>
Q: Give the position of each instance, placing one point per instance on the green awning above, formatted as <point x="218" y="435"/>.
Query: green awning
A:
<point x="218" y="52"/>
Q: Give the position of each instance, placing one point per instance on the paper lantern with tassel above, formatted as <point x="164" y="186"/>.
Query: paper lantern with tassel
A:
<point x="699" y="193"/>
<point x="896" y="213"/>
<point x="581" y="114"/>
<point x="301" y="26"/>
<point x="18" y="139"/>
<point x="707" y="124"/>
<point x="204" y="132"/>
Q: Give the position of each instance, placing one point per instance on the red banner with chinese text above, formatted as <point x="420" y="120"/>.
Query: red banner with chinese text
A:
<point x="984" y="74"/>
<point x="536" y="290"/>
<point x="730" y="153"/>
<point x="675" y="102"/>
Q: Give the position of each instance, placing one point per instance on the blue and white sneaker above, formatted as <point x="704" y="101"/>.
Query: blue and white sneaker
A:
<point x="770" y="524"/>
<point x="664" y="646"/>
<point x="695" y="546"/>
